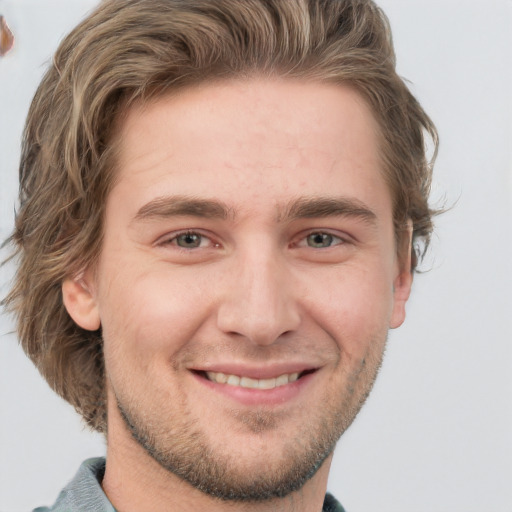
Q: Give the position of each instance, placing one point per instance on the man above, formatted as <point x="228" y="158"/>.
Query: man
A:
<point x="220" y="204"/>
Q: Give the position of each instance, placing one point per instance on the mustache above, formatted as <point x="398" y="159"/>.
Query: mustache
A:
<point x="201" y="352"/>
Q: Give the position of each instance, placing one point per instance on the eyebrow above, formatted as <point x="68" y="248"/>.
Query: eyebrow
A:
<point x="174" y="206"/>
<point x="302" y="208"/>
<point x="315" y="207"/>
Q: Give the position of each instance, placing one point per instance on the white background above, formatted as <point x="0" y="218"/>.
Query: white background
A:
<point x="436" y="433"/>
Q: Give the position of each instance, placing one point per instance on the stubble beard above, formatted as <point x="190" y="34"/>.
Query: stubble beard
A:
<point x="184" y="450"/>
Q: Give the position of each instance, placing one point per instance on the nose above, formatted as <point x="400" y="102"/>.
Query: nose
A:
<point x="259" y="303"/>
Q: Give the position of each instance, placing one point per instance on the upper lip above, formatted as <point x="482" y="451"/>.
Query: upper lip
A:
<point x="268" y="371"/>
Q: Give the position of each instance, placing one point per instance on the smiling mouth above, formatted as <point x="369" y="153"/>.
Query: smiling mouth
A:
<point x="249" y="383"/>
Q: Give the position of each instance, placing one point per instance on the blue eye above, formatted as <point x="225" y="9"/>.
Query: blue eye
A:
<point x="321" y="240"/>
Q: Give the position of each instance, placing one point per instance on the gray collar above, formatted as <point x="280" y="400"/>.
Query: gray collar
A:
<point x="84" y="492"/>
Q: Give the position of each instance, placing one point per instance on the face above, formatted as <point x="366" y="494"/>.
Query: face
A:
<point x="247" y="281"/>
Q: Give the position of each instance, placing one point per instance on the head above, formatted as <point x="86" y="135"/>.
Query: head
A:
<point x="130" y="55"/>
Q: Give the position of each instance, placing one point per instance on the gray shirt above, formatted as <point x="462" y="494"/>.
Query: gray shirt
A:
<point x="84" y="492"/>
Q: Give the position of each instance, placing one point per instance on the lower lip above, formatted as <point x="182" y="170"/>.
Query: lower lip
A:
<point x="268" y="397"/>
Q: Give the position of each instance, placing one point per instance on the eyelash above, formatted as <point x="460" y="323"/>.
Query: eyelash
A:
<point x="336" y="239"/>
<point x="172" y="240"/>
<point x="302" y="241"/>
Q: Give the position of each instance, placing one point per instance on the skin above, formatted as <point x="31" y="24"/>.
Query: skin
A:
<point x="249" y="232"/>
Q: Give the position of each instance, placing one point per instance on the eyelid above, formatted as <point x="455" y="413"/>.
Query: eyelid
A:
<point x="169" y="238"/>
<point x="342" y="237"/>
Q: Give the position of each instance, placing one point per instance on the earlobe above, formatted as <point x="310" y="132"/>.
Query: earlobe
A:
<point x="80" y="304"/>
<point x="403" y="281"/>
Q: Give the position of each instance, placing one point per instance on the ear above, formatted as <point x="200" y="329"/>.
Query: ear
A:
<point x="80" y="303"/>
<point x="403" y="279"/>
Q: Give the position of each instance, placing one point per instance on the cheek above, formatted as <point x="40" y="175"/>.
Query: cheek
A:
<point x="354" y="309"/>
<point x="147" y="313"/>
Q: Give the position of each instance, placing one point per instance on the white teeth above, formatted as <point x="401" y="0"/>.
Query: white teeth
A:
<point x="267" y="383"/>
<point x="221" y="378"/>
<point x="247" y="382"/>
<point x="282" y="380"/>
<point x="233" y="380"/>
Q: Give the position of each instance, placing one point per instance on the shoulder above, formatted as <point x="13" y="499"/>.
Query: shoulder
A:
<point x="84" y="492"/>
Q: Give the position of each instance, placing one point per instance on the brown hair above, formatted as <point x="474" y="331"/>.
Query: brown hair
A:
<point x="134" y="50"/>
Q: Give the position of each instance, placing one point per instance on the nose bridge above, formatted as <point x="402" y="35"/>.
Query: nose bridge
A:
<point x="259" y="303"/>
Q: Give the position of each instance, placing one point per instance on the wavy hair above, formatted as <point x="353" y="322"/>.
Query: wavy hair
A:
<point x="135" y="50"/>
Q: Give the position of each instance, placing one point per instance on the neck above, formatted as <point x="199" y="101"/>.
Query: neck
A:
<point x="134" y="481"/>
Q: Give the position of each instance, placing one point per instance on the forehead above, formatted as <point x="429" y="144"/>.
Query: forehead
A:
<point x="252" y="141"/>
